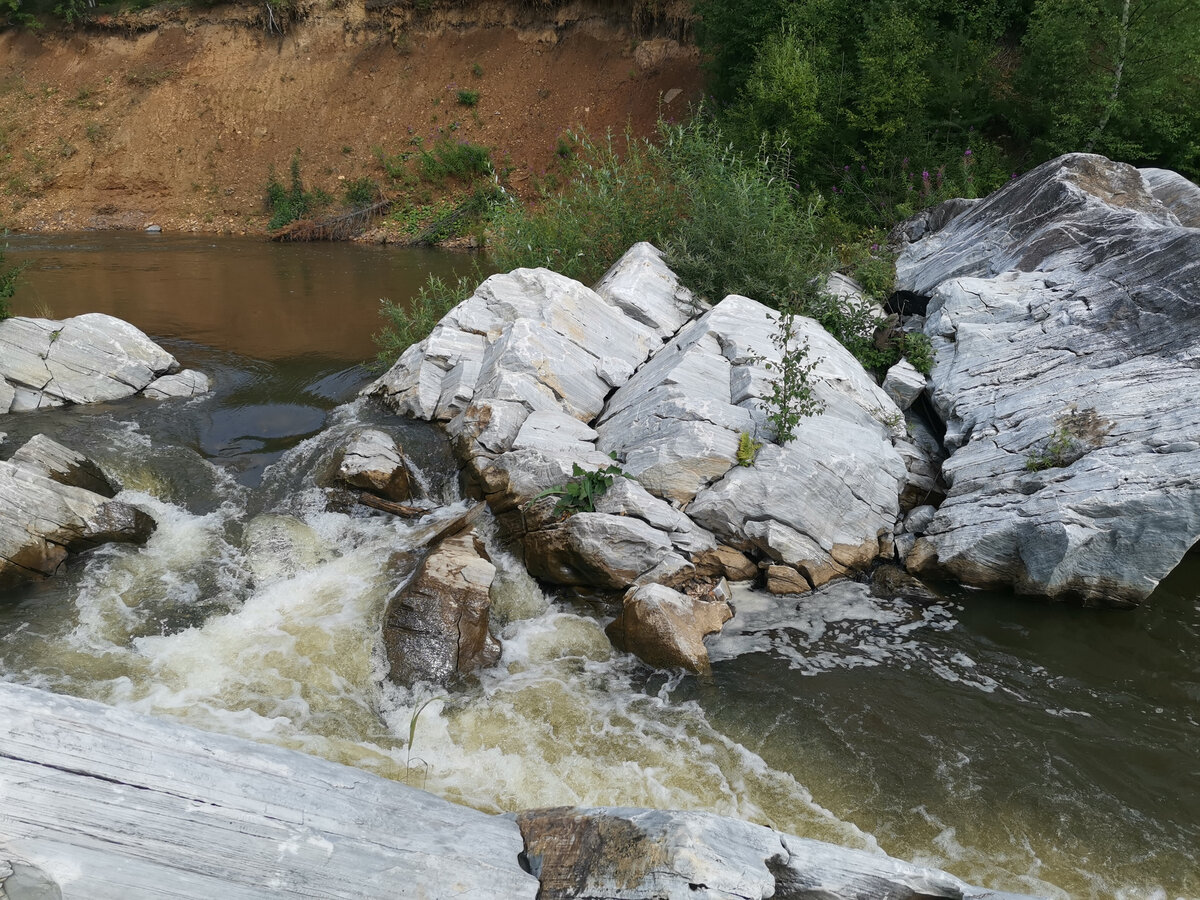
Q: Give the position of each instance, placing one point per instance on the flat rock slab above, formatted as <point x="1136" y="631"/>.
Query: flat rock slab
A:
<point x="645" y="854"/>
<point x="110" y="805"/>
<point x="1065" y="318"/>
<point x="86" y="359"/>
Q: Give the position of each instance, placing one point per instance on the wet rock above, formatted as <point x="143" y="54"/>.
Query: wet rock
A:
<point x="1065" y="319"/>
<point x="188" y="383"/>
<point x="373" y="462"/>
<point x="641" y="854"/>
<point x="666" y="628"/>
<point x="436" y="626"/>
<point x="892" y="582"/>
<point x="63" y="465"/>
<point x="7" y="395"/>
<point x="41" y="521"/>
<point x="86" y="359"/>
<point x="786" y="580"/>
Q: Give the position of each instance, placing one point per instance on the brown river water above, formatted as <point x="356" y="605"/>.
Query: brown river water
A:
<point x="1034" y="748"/>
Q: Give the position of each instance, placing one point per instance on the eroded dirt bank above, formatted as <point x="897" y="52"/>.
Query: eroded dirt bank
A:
<point x="175" y="118"/>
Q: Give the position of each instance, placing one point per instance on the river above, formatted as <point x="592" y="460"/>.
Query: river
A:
<point x="1021" y="746"/>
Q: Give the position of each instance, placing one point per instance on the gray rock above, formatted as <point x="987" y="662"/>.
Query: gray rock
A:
<point x="188" y="383"/>
<point x="666" y="628"/>
<point x="642" y="286"/>
<point x="918" y="519"/>
<point x="903" y="384"/>
<point x="555" y="432"/>
<point x="374" y="463"/>
<point x="87" y="359"/>
<point x="892" y="582"/>
<point x="1064" y="315"/>
<point x="1176" y="193"/>
<point x="103" y="800"/>
<point x="41" y="521"/>
<point x="63" y="465"/>
<point x="436" y="626"/>
<point x="7" y="395"/>
<point x="596" y="549"/>
<point x="929" y="221"/>
<point x="643" y="854"/>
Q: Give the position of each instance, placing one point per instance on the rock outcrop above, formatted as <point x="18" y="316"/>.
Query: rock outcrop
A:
<point x="44" y="516"/>
<point x="1065" y="316"/>
<point x="524" y="389"/>
<point x="86" y="359"/>
<point x="666" y="628"/>
<point x="96" y="802"/>
<point x="436" y="625"/>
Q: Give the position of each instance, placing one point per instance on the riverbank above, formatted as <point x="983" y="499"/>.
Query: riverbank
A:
<point x="176" y="117"/>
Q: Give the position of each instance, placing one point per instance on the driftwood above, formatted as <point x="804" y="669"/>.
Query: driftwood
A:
<point x="334" y="228"/>
<point x="396" y="509"/>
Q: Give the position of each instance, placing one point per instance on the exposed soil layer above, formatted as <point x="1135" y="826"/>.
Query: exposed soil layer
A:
<point x="176" y="118"/>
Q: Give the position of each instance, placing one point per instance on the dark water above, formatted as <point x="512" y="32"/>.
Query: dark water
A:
<point x="1022" y="746"/>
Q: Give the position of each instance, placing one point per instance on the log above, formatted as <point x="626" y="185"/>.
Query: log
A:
<point x="397" y="509"/>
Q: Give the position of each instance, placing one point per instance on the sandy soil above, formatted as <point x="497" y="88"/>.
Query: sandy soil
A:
<point x="175" y="118"/>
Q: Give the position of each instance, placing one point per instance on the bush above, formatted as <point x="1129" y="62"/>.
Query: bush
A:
<point x="361" y="192"/>
<point x="618" y="192"/>
<point x="405" y="325"/>
<point x="8" y="286"/>
<point x="468" y="98"/>
<point x="288" y="204"/>
<point x="455" y="159"/>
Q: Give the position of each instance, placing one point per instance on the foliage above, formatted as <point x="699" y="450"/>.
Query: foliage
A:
<point x="745" y="230"/>
<point x="917" y="349"/>
<point x="361" y="192"/>
<point x="618" y="192"/>
<point x="791" y="398"/>
<point x="1054" y="452"/>
<point x="467" y="98"/>
<point x="581" y="492"/>
<point x="747" y="449"/>
<point x="455" y="159"/>
<point x="8" y="285"/>
<point x="1075" y="432"/>
<point x="287" y="204"/>
<point x="406" y="324"/>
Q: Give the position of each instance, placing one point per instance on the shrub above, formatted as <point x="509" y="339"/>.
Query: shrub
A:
<point x="361" y="192"/>
<point x="287" y="204"/>
<point x="8" y="285"/>
<point x="455" y="159"/>
<point x="618" y="192"/>
<point x="405" y="325"/>
<point x="468" y="98"/>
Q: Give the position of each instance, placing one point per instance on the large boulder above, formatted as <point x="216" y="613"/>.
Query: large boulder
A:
<point x="1065" y="317"/>
<point x="86" y="359"/>
<point x="46" y="457"/>
<point x="436" y="626"/>
<point x="43" y="520"/>
<point x="822" y="502"/>
<point x="666" y="628"/>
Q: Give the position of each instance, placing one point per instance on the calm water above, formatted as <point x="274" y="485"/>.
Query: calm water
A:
<point x="1022" y="746"/>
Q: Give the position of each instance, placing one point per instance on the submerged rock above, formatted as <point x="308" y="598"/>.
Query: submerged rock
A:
<point x="436" y="626"/>
<point x="188" y="383"/>
<point x="1065" y="319"/>
<point x="86" y="359"/>
<point x="43" y="520"/>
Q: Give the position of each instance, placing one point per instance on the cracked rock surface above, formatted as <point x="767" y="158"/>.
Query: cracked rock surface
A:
<point x="1064" y="313"/>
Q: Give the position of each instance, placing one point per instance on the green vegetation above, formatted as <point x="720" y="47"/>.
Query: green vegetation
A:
<point x="581" y="492"/>
<point x="288" y="204"/>
<point x="404" y="325"/>
<point x="468" y="98"/>
<point x="747" y="449"/>
<point x="8" y="285"/>
<point x="460" y="159"/>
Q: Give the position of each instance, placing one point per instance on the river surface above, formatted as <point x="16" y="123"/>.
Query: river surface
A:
<point x="1028" y="747"/>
